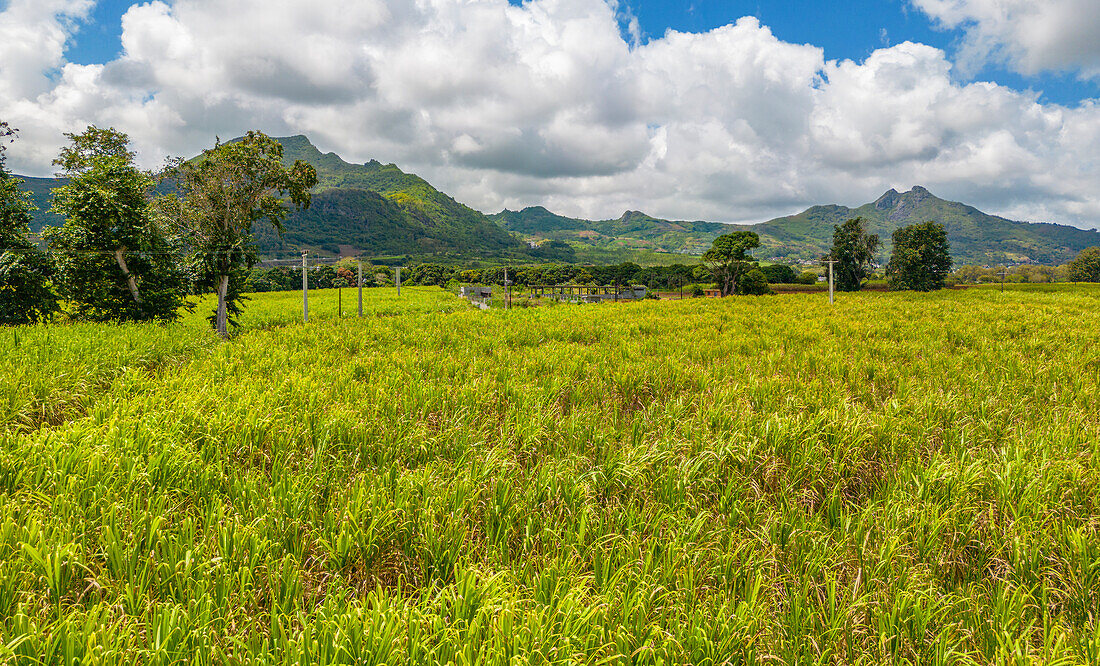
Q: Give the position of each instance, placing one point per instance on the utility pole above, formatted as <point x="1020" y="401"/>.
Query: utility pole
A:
<point x="398" y="280"/>
<point x="830" y="262"/>
<point x="507" y="301"/>
<point x="1004" y="272"/>
<point x="305" y="290"/>
<point x="360" y="288"/>
<point x="681" y="287"/>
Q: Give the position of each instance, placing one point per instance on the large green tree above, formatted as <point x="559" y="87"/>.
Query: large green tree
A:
<point x="854" y="254"/>
<point x="921" y="258"/>
<point x="728" y="259"/>
<point x="224" y="192"/>
<point x="25" y="293"/>
<point x="114" y="261"/>
<point x="1086" y="267"/>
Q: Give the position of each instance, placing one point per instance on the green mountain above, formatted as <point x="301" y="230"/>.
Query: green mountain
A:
<point x="976" y="237"/>
<point x="41" y="190"/>
<point x="631" y="231"/>
<point x="372" y="209"/>
<point x="378" y="209"/>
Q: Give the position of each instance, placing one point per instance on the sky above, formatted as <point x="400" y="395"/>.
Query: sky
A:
<point x="724" y="110"/>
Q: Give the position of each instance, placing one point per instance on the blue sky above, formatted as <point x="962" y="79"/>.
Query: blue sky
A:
<point x="848" y="29"/>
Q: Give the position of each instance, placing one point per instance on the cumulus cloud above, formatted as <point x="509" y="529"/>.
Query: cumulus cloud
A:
<point x="1028" y="35"/>
<point x="549" y="103"/>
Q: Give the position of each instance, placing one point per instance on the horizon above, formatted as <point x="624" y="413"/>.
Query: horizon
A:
<point x="731" y="113"/>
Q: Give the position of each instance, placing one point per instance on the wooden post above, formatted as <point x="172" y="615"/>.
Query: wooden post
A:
<point x="305" y="290"/>
<point x="831" y="262"/>
<point x="360" y="288"/>
<point x="398" y="280"/>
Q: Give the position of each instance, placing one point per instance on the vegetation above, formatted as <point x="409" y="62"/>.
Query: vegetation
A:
<point x="976" y="237"/>
<point x="224" y="193"/>
<point x="904" y="478"/>
<point x="1086" y="267"/>
<point x="728" y="260"/>
<point x="375" y="210"/>
<point x="854" y="253"/>
<point x="114" y="261"/>
<point x="25" y="293"/>
<point x="921" y="259"/>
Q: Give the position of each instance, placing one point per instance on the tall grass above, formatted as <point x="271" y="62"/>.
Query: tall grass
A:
<point x="900" y="479"/>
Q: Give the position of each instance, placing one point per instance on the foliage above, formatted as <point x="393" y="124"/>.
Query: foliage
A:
<point x="867" y="484"/>
<point x="753" y="283"/>
<point x="114" y="261"/>
<point x="25" y="293"/>
<point x="232" y="186"/>
<point x="807" y="277"/>
<point x="921" y="259"/>
<point x="779" y="274"/>
<point x="727" y="259"/>
<point x="854" y="253"/>
<point x="1086" y="267"/>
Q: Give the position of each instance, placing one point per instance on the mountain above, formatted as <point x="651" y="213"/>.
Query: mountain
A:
<point x="41" y="190"/>
<point x="976" y="237"/>
<point x="372" y="209"/>
<point x="631" y="231"/>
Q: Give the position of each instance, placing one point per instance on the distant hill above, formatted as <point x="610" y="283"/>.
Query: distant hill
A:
<point x="376" y="209"/>
<point x="41" y="190"/>
<point x="633" y="230"/>
<point x="370" y="209"/>
<point x="976" y="237"/>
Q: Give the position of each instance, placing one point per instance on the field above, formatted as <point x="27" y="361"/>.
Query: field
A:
<point x="903" y="478"/>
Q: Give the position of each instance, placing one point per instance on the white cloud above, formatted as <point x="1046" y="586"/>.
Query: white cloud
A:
<point x="1029" y="35"/>
<point x="547" y="103"/>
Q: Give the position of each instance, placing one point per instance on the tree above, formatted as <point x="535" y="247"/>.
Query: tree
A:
<point x="854" y="253"/>
<point x="1086" y="267"/>
<point x="114" y="261"/>
<point x="921" y="258"/>
<point x="25" y="293"/>
<point x="779" y="274"/>
<point x="226" y="190"/>
<point x="753" y="283"/>
<point x="726" y="259"/>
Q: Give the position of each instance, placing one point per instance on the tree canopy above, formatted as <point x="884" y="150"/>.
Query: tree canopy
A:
<point x="25" y="293"/>
<point x="854" y="254"/>
<point x="114" y="261"/>
<point x="727" y="259"/>
<point x="921" y="258"/>
<point x="1086" y="267"/>
<point x="226" y="190"/>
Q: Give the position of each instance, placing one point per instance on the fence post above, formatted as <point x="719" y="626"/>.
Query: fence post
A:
<point x="305" y="291"/>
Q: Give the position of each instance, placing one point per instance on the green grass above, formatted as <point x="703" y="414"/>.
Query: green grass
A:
<point x="903" y="478"/>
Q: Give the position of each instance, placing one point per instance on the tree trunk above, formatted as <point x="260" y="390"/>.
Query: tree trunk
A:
<point x="223" y="287"/>
<point x="130" y="281"/>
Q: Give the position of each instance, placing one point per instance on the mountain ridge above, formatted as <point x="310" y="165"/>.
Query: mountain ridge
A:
<point x="976" y="237"/>
<point x="379" y="210"/>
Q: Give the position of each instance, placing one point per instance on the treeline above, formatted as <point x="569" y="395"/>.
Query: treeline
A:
<point x="628" y="273"/>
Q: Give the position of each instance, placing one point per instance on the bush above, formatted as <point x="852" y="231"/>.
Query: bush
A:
<point x="807" y="277"/>
<point x="779" y="274"/>
<point x="753" y="283"/>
